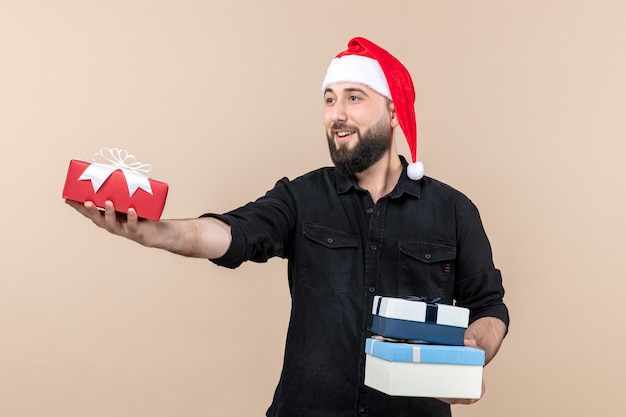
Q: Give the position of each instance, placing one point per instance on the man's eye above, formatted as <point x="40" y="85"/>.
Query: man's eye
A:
<point x="354" y="98"/>
<point x="330" y="100"/>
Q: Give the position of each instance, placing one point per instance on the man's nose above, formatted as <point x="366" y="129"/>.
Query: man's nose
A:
<point x="339" y="112"/>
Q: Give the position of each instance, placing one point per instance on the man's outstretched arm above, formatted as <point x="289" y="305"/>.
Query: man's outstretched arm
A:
<point x="200" y="238"/>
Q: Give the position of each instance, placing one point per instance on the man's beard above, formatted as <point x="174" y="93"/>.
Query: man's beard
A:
<point x="369" y="149"/>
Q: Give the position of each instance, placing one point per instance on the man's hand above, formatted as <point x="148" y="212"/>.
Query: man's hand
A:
<point x="487" y="334"/>
<point x="465" y="401"/>
<point x="129" y="226"/>
<point x="201" y="238"/>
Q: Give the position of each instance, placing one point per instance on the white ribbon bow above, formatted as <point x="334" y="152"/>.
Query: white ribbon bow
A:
<point x="135" y="173"/>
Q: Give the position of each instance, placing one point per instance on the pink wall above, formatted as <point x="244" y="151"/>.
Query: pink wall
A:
<point x="520" y="105"/>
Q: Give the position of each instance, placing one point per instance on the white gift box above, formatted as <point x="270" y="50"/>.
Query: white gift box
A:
<point x="411" y="318"/>
<point x="420" y="370"/>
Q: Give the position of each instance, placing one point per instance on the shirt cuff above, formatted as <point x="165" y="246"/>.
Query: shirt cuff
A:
<point x="236" y="253"/>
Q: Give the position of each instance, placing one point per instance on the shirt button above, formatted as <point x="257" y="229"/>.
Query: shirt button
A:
<point x="370" y="210"/>
<point x="361" y="409"/>
<point x="371" y="289"/>
<point x="373" y="247"/>
<point x="427" y="256"/>
<point x="331" y="240"/>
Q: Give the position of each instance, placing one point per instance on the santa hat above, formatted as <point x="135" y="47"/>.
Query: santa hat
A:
<point x="366" y="63"/>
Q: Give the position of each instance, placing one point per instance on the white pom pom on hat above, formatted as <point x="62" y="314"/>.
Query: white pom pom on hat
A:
<point x="415" y="171"/>
<point x="366" y="63"/>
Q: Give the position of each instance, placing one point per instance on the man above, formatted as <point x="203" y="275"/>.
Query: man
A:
<point x="371" y="225"/>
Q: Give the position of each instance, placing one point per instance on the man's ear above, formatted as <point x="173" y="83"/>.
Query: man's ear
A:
<point x="393" y="117"/>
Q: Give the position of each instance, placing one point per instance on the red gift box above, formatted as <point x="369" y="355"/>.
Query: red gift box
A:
<point x="120" y="182"/>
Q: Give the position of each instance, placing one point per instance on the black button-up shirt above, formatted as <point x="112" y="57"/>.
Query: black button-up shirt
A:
<point x="424" y="239"/>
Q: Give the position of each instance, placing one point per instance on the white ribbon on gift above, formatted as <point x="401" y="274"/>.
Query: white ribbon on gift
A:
<point x="135" y="173"/>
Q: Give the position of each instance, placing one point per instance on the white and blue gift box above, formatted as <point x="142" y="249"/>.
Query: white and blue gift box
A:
<point x="420" y="319"/>
<point x="423" y="370"/>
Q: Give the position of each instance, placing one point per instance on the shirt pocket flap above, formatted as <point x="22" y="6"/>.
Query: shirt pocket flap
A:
<point x="331" y="238"/>
<point x="428" y="252"/>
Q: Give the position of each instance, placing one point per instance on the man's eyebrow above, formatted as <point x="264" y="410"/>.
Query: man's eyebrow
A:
<point x="355" y="90"/>
<point x="348" y="90"/>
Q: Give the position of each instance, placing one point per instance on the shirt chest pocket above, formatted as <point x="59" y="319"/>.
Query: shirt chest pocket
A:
<point x="425" y="268"/>
<point x="327" y="258"/>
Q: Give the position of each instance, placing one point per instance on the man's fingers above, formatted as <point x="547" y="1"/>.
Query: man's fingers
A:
<point x="132" y="221"/>
<point x="128" y="225"/>
<point x="110" y="218"/>
<point x="463" y="401"/>
<point x="87" y="209"/>
<point x="470" y="343"/>
<point x="466" y="401"/>
<point x="132" y="215"/>
<point x="83" y="208"/>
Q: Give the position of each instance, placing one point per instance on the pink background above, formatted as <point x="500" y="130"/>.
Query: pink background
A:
<point x="520" y="105"/>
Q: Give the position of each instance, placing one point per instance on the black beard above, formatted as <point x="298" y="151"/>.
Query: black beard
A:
<point x="369" y="149"/>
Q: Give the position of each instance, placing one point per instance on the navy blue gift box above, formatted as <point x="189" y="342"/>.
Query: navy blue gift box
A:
<point x="419" y="319"/>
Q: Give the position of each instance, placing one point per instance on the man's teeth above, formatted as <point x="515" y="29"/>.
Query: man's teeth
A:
<point x="343" y="134"/>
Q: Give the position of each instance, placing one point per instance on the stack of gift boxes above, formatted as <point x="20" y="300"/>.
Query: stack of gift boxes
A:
<point x="417" y="350"/>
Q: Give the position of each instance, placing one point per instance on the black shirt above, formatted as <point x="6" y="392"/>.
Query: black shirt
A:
<point x="424" y="239"/>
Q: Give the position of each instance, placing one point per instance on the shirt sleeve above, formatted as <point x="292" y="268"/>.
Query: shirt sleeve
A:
<point x="261" y="229"/>
<point x="478" y="284"/>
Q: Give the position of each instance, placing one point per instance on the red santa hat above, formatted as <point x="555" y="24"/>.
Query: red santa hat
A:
<point x="366" y="63"/>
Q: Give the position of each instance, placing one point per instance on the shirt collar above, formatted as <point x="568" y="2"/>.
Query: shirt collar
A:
<point x="405" y="185"/>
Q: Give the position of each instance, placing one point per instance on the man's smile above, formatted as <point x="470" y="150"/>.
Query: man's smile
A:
<point x="344" y="135"/>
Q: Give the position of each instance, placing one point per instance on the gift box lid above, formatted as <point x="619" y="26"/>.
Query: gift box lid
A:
<point x="415" y="309"/>
<point x="422" y="353"/>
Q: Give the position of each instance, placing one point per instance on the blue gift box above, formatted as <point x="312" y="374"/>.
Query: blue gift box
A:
<point x="412" y="318"/>
<point x="424" y="353"/>
<point x="422" y="370"/>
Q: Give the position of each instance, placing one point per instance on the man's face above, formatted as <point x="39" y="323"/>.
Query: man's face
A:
<point x="369" y="148"/>
<point x="358" y="124"/>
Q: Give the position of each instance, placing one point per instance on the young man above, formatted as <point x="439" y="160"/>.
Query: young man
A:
<point x="372" y="225"/>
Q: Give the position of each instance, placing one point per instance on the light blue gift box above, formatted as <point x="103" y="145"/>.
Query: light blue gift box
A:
<point x="421" y="370"/>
